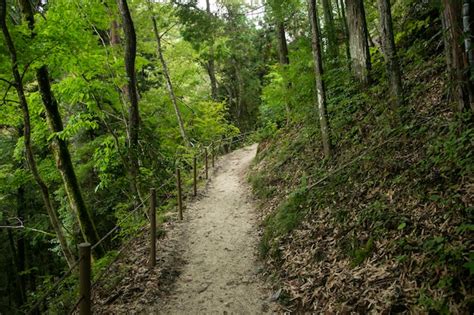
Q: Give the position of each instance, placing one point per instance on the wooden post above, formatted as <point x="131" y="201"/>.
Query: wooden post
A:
<point x="152" y="228"/>
<point x="213" y="156"/>
<point x="207" y="165"/>
<point x="85" y="279"/>
<point x="195" y="176"/>
<point x="180" y="200"/>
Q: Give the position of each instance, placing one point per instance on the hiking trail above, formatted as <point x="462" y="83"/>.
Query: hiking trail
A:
<point x="218" y="243"/>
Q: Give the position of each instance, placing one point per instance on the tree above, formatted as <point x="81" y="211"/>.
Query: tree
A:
<point x="169" y="84"/>
<point x="318" y="74"/>
<point x="60" y="147"/>
<point x="330" y="29"/>
<point x="390" y="52"/>
<point x="18" y="84"/>
<point x="210" y="63"/>
<point x="456" y="59"/>
<point x="358" y="44"/>
<point x="342" y="17"/>
<point x="132" y="93"/>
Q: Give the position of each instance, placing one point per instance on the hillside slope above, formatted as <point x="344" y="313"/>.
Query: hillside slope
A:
<point x="386" y="226"/>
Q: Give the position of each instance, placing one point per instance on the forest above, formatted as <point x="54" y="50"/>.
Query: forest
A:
<point x="363" y="111"/>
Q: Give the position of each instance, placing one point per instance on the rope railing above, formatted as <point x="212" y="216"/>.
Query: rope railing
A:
<point x="84" y="300"/>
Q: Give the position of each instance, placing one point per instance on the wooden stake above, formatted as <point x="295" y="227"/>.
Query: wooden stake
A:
<point x="207" y="164"/>
<point x="213" y="156"/>
<point x="152" y="228"/>
<point x="195" y="176"/>
<point x="180" y="200"/>
<point x="85" y="279"/>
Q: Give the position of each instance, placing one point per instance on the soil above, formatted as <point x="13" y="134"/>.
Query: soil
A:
<point x="217" y="242"/>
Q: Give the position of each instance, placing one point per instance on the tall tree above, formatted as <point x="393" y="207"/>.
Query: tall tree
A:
<point x="456" y="59"/>
<point x="18" y="84"/>
<point x="169" y="83"/>
<point x="390" y="52"/>
<point x="468" y="27"/>
<point x="211" y="69"/>
<point x="318" y="74"/>
<point x="132" y="93"/>
<point x="342" y="16"/>
<point x="61" y="152"/>
<point x="358" y="44"/>
<point x="282" y="44"/>
<point x="330" y="29"/>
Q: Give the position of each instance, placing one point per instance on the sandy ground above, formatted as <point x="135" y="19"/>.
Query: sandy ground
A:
<point x="218" y="243"/>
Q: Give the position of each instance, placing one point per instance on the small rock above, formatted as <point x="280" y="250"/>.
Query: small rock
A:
<point x="275" y="296"/>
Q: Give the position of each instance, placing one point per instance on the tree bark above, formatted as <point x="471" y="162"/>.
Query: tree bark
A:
<point x="456" y="59"/>
<point x="169" y="84"/>
<point x="330" y="29"/>
<point x="282" y="45"/>
<point x="133" y="111"/>
<point x="358" y="44"/>
<point x="210" y="63"/>
<point x="64" y="162"/>
<point x="319" y="82"/>
<point x="346" y="32"/>
<point x="284" y="58"/>
<point x="390" y="53"/>
<point x="27" y="138"/>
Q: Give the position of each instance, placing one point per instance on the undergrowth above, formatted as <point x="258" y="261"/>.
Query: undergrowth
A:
<point x="387" y="224"/>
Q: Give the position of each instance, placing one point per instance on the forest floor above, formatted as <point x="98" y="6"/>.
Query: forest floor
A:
<point x="219" y="247"/>
<point x="207" y="263"/>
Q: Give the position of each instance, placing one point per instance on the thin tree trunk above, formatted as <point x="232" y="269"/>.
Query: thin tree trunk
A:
<point x="169" y="84"/>
<point x="282" y="45"/>
<point x="284" y="58"/>
<point x="20" y="242"/>
<point x="133" y="111"/>
<point x="390" y="53"/>
<point x="318" y="73"/>
<point x="468" y="25"/>
<point x="27" y="138"/>
<point x="455" y="54"/>
<point x="359" y="47"/>
<point x="346" y="33"/>
<point x="210" y="63"/>
<point x="330" y="29"/>
<point x="64" y="162"/>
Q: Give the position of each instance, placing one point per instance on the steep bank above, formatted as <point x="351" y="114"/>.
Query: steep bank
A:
<point x="387" y="224"/>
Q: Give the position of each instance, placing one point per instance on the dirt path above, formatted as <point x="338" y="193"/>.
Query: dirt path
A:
<point x="218" y="243"/>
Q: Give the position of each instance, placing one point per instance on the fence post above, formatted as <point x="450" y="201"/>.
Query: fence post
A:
<point x="213" y="152"/>
<point x="152" y="228"/>
<point x="180" y="200"/>
<point x="195" y="176"/>
<point x="207" y="165"/>
<point x="85" y="279"/>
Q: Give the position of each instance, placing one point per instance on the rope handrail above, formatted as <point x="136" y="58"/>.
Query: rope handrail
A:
<point x="56" y="285"/>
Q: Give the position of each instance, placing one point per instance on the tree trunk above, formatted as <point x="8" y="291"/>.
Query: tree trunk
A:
<point x="318" y="73"/>
<point x="63" y="161"/>
<point x="358" y="44"/>
<point x="390" y="53"/>
<point x="346" y="32"/>
<point x="456" y="58"/>
<point x="27" y="138"/>
<point x="468" y="26"/>
<point x="132" y="93"/>
<point x="210" y="63"/>
<point x="282" y="45"/>
<point x="169" y="84"/>
<point x="330" y="30"/>
<point x="284" y="58"/>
